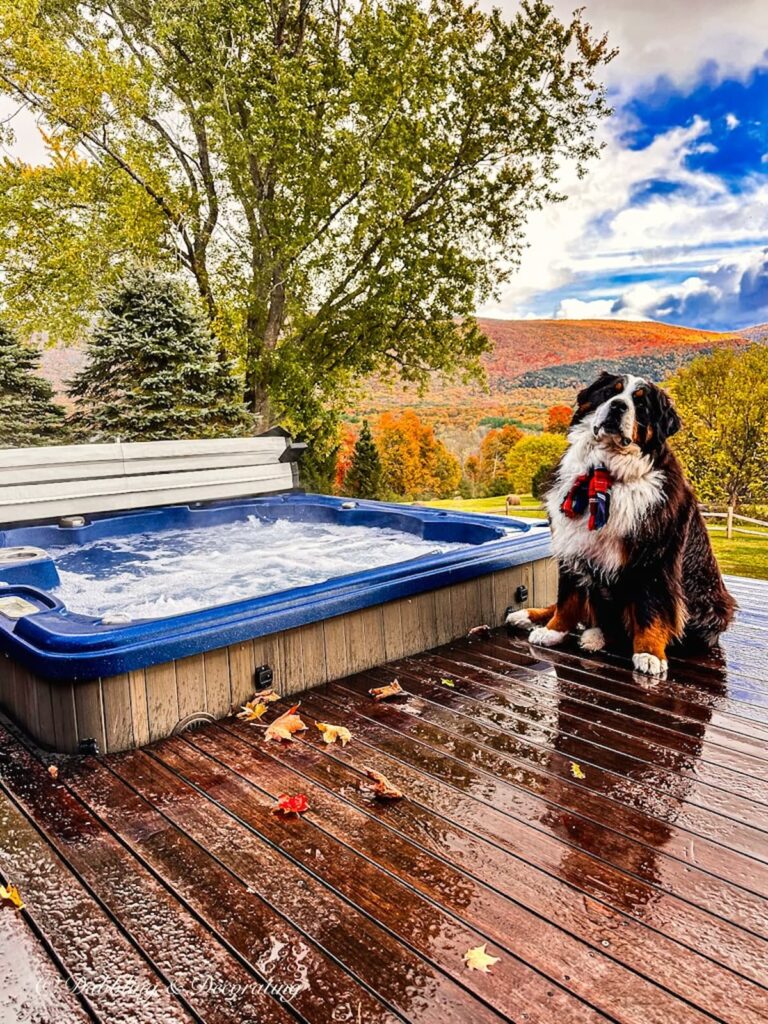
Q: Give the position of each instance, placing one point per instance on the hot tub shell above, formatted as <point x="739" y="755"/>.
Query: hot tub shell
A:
<point x="68" y="678"/>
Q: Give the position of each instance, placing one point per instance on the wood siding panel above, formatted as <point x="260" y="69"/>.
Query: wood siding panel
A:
<point x="90" y="713"/>
<point x="118" y="720"/>
<point x="139" y="711"/>
<point x="217" y="685"/>
<point x="162" y="699"/>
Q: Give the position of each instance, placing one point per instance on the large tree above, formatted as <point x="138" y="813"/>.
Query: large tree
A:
<point x="342" y="181"/>
<point x="153" y="372"/>
<point x="723" y="403"/>
<point x="28" y="413"/>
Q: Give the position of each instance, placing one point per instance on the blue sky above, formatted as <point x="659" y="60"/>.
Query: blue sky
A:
<point x="671" y="224"/>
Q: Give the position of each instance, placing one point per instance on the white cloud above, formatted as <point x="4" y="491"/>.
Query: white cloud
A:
<point x="727" y="293"/>
<point x="673" y="37"/>
<point x="732" y="121"/>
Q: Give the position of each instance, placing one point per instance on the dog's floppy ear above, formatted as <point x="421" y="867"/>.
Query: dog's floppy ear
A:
<point x="586" y="399"/>
<point x="667" y="421"/>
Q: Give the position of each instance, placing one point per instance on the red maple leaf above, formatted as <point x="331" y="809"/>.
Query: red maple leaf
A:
<point x="296" y="804"/>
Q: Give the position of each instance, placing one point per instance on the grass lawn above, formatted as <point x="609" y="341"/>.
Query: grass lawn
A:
<point x="742" y="556"/>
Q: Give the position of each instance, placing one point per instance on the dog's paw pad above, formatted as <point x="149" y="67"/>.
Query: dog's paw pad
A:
<point x="592" y="639"/>
<point x="649" y="664"/>
<point x="547" y="637"/>
<point x="519" y="618"/>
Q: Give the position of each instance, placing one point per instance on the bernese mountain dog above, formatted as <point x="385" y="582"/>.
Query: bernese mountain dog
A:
<point x="634" y="557"/>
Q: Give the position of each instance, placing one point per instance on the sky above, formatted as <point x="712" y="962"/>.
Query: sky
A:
<point x="671" y="223"/>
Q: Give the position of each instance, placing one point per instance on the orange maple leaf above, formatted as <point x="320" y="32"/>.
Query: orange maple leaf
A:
<point x="286" y="725"/>
<point x="331" y="733"/>
<point x="383" y="788"/>
<point x="53" y="771"/>
<point x="266" y="696"/>
<point x="393" y="689"/>
<point x="295" y="804"/>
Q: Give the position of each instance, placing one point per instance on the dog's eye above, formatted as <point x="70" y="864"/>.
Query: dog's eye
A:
<point x="640" y="393"/>
<point x="619" y="385"/>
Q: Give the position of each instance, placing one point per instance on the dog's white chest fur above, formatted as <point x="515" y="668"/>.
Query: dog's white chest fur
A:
<point x="636" y="489"/>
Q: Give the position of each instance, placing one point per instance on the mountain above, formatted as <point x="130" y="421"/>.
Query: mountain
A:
<point x="757" y="333"/>
<point x="537" y="363"/>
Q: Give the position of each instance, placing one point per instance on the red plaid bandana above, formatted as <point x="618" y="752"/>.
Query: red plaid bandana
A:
<point x="590" y="490"/>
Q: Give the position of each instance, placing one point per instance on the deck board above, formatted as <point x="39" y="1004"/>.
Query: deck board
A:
<point x="161" y="882"/>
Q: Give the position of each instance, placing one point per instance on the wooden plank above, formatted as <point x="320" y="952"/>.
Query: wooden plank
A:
<point x="667" y="963"/>
<point x="90" y="713"/>
<point x="46" y="727"/>
<point x="364" y="634"/>
<point x="313" y="653"/>
<point x="394" y="640"/>
<point x="217" y="682"/>
<point x="268" y="650"/>
<point x="410" y="626"/>
<point x="241" y="669"/>
<point x="190" y="685"/>
<point x="424" y="925"/>
<point x="118" y="720"/>
<point x="443" y="616"/>
<point x="64" y="717"/>
<point x="162" y="699"/>
<point x="180" y="948"/>
<point x="92" y="949"/>
<point x="335" y="642"/>
<point x="137" y="685"/>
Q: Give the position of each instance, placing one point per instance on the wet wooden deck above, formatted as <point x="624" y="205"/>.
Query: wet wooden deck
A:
<point x="161" y="883"/>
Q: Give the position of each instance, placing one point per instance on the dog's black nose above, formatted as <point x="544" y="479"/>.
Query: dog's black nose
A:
<point x="618" y="404"/>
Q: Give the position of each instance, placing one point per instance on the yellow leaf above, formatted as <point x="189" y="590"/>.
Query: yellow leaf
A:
<point x="478" y="960"/>
<point x="9" y="896"/>
<point x="331" y="733"/>
<point x="252" y="710"/>
<point x="447" y="682"/>
<point x="286" y="725"/>
<point x="266" y="696"/>
<point x="576" y="771"/>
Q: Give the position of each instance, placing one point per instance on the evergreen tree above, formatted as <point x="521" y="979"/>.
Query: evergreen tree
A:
<point x="363" y="479"/>
<point x="152" y="371"/>
<point x="28" y="414"/>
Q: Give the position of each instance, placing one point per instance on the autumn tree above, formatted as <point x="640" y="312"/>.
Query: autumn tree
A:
<point x="152" y="370"/>
<point x="28" y="414"/>
<point x="532" y="454"/>
<point x="346" y="447"/>
<point x="341" y="183"/>
<point x="363" y="479"/>
<point x="413" y="461"/>
<point x="494" y="448"/>
<point x="558" y="419"/>
<point x="722" y="400"/>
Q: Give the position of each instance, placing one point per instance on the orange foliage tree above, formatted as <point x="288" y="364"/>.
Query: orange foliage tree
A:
<point x="494" y="449"/>
<point x="413" y="461"/>
<point x="344" y="456"/>
<point x="558" y="419"/>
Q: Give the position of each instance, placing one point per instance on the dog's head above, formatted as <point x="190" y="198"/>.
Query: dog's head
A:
<point x="627" y="413"/>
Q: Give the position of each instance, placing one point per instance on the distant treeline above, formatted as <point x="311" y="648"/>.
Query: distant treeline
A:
<point x="574" y="375"/>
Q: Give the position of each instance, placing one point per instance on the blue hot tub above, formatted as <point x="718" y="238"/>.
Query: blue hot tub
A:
<point x="169" y="613"/>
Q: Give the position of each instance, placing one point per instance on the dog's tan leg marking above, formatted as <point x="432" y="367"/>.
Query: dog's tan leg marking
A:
<point x="541" y="616"/>
<point x="569" y="614"/>
<point x="650" y="647"/>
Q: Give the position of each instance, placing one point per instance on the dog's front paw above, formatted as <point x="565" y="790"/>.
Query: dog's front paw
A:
<point x="519" y="618"/>
<point x="592" y="639"/>
<point x="649" y="664"/>
<point x="546" y="637"/>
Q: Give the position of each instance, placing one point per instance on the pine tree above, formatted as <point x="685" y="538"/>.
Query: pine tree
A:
<point x="152" y="371"/>
<point x="28" y="414"/>
<point x="363" y="479"/>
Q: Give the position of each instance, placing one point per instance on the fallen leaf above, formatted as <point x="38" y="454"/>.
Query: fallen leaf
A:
<point x="393" y="689"/>
<point x="266" y="696"/>
<point x="285" y="726"/>
<point x="331" y="733"/>
<point x="576" y="771"/>
<point x="383" y="788"/>
<point x="478" y="960"/>
<point x="479" y="630"/>
<point x="447" y="682"/>
<point x="9" y="896"/>
<point x="252" y="710"/>
<point x="286" y="804"/>
<point x="53" y="771"/>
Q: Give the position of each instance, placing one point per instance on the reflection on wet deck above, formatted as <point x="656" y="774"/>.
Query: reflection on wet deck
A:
<point x="162" y="885"/>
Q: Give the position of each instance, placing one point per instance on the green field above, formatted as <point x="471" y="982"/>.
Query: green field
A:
<point x="742" y="556"/>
